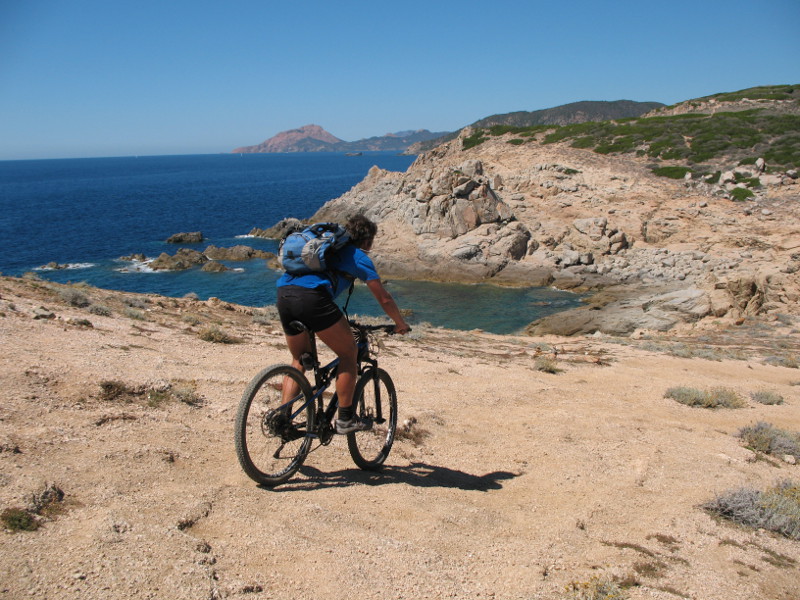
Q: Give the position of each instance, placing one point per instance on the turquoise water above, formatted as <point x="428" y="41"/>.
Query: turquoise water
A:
<point x="87" y="213"/>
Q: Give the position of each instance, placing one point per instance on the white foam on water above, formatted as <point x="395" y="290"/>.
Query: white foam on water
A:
<point x="65" y="267"/>
<point x="137" y="266"/>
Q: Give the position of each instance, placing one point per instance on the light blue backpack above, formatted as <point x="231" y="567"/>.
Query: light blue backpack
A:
<point x="307" y="251"/>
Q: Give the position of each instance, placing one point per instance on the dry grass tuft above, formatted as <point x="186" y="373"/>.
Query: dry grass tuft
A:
<point x="216" y="335"/>
<point x="776" y="509"/>
<point x="596" y="588"/>
<point x="768" y="439"/>
<point x="719" y="397"/>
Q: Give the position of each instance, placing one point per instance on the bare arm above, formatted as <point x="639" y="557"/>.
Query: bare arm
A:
<point x="388" y="305"/>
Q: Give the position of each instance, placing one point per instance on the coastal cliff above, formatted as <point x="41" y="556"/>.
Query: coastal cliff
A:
<point x="522" y="212"/>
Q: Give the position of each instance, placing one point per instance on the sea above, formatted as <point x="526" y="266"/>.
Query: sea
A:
<point x="86" y="214"/>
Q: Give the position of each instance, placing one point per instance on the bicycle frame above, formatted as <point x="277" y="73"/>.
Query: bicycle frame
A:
<point x="324" y="376"/>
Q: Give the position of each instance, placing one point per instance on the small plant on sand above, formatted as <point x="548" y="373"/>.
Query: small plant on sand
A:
<point x="216" y="335"/>
<point x="153" y="395"/>
<point x="113" y="389"/>
<point x="265" y="316"/>
<point x="18" y="519"/>
<point x="719" y="397"/>
<point x="766" y="397"/>
<point x="134" y="314"/>
<point x="74" y="297"/>
<point x="768" y="439"/>
<point x="46" y="502"/>
<point x="596" y="589"/>
<point x="547" y="364"/>
<point x="790" y="362"/>
<point x="191" y="319"/>
<point x="100" y="310"/>
<point x="776" y="509"/>
<point x="412" y="432"/>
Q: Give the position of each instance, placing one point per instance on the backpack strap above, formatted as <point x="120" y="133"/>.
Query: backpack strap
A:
<point x="349" y="295"/>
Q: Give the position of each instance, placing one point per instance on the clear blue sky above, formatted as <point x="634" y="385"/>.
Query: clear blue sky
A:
<point x="113" y="78"/>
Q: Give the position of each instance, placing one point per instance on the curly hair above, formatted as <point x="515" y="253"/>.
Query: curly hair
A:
<point x="360" y="229"/>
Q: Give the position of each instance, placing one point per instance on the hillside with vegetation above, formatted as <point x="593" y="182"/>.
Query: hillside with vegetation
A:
<point x="574" y="112"/>
<point x="693" y="137"/>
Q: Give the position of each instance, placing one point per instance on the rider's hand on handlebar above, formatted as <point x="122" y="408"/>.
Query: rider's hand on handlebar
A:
<point x="402" y="329"/>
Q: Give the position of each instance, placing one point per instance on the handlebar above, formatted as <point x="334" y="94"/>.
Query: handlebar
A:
<point x="389" y="328"/>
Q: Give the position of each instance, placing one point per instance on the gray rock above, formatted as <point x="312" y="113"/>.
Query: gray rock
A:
<point x="471" y="168"/>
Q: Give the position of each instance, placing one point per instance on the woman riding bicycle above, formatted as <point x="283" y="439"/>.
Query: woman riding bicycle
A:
<point x="310" y="300"/>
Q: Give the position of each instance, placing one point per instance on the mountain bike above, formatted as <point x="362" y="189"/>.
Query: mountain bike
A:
<point x="282" y="416"/>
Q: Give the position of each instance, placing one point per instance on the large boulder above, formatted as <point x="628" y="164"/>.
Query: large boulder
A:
<point x="185" y="258"/>
<point x="194" y="237"/>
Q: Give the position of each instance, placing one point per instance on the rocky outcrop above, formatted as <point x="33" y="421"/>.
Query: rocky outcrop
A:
<point x="194" y="237"/>
<point x="186" y="258"/>
<point x="536" y="214"/>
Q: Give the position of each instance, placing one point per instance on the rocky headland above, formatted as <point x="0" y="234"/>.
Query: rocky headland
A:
<point x="313" y="138"/>
<point x="664" y="252"/>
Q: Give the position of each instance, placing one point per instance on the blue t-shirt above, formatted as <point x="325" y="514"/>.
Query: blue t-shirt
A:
<point x="349" y="260"/>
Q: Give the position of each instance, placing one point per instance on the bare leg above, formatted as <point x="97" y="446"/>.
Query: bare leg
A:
<point x="298" y="344"/>
<point x="340" y="339"/>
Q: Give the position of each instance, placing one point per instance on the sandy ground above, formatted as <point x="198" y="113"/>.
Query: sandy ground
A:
<point x="521" y="483"/>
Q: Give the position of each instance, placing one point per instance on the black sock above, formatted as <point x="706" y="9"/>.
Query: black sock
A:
<point x="345" y="413"/>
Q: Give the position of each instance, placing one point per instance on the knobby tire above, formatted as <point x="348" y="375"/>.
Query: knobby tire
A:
<point x="271" y="445"/>
<point x="370" y="448"/>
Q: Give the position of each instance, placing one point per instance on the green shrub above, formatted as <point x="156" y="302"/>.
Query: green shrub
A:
<point x="473" y="140"/>
<point x="719" y="397"/>
<point x="516" y="142"/>
<point x="672" y="172"/>
<point x="776" y="509"/>
<point x="768" y="439"/>
<point x="741" y="194"/>
<point x="18" y="519"/>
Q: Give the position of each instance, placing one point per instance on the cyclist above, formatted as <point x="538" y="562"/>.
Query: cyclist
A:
<point x="310" y="300"/>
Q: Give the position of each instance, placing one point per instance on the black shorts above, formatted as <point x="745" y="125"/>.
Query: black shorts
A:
<point x="313" y="307"/>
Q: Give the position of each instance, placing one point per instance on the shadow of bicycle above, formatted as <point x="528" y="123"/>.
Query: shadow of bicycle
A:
<point x="416" y="474"/>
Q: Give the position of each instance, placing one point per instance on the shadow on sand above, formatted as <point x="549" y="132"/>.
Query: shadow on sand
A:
<point x="416" y="474"/>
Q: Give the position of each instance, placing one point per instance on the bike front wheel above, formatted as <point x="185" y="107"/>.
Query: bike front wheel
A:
<point x="374" y="400"/>
<point x="273" y="425"/>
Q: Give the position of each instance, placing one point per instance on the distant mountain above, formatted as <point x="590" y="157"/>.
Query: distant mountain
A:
<point x="309" y="138"/>
<point x="313" y="138"/>
<point x="566" y="114"/>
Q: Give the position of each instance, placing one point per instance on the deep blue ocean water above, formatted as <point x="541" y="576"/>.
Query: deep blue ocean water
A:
<point x="87" y="213"/>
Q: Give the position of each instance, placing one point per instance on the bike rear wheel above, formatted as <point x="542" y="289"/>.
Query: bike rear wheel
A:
<point x="272" y="431"/>
<point x="374" y="400"/>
